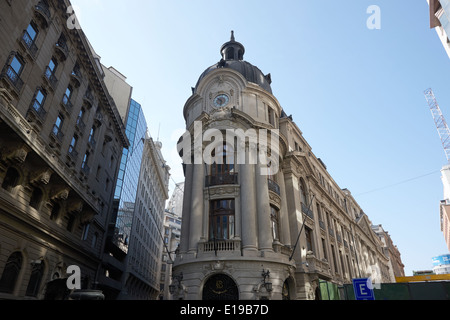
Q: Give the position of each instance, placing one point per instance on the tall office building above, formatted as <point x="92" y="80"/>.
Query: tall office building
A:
<point x="444" y="207"/>
<point x="172" y="231"/>
<point x="262" y="216"/>
<point x="143" y="266"/>
<point x="440" y="20"/>
<point x="60" y="134"/>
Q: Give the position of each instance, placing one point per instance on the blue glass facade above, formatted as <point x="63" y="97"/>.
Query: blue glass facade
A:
<point x="444" y="19"/>
<point x="128" y="177"/>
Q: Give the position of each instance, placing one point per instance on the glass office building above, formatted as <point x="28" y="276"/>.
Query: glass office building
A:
<point x="127" y="181"/>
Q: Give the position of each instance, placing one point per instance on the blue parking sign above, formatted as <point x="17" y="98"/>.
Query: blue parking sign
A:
<point x="363" y="289"/>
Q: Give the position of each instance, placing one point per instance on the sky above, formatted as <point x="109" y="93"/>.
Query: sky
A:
<point x="356" y="93"/>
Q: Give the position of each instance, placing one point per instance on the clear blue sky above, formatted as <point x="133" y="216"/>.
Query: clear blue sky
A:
<point x="357" y="94"/>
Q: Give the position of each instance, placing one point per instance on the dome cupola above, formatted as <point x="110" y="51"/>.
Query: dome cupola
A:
<point x="233" y="58"/>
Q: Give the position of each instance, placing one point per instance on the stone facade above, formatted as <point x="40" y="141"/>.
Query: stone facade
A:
<point x="252" y="230"/>
<point x="60" y="138"/>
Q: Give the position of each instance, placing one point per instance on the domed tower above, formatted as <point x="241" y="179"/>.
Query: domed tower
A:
<point x="235" y="238"/>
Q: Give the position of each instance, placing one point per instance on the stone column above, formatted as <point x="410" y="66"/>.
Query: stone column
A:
<point x="184" y="238"/>
<point x="285" y="234"/>
<point x="196" y="216"/>
<point x="248" y="207"/>
<point x="265" y="238"/>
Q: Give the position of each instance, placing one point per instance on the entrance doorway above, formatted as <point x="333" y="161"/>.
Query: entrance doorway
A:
<point x="220" y="287"/>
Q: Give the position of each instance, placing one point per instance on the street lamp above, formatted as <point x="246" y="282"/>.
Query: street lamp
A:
<point x="267" y="284"/>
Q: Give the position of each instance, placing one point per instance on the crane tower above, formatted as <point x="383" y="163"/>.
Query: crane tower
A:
<point x="439" y="120"/>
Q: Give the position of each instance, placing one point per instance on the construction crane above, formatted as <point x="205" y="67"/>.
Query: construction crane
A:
<point x="439" y="120"/>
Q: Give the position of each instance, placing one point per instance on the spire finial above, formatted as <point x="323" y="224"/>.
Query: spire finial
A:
<point x="232" y="36"/>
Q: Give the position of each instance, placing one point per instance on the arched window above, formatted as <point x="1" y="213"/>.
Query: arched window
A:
<point x="230" y="54"/>
<point x="36" y="198"/>
<point x="11" y="179"/>
<point x="11" y="272"/>
<point x="34" y="284"/>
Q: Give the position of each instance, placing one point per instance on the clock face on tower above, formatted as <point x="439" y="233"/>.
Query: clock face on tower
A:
<point x="221" y="100"/>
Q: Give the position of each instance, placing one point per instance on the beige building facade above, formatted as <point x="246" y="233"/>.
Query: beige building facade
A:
<point x="254" y="229"/>
<point x="60" y="137"/>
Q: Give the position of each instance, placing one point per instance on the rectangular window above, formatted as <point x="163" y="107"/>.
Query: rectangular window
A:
<point x="16" y="65"/>
<point x="274" y="217"/>
<point x="221" y="219"/>
<point x="58" y="124"/>
<point x="39" y="100"/>
<point x="309" y="242"/>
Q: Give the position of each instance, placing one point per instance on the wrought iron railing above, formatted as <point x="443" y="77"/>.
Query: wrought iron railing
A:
<point x="221" y="179"/>
<point x="57" y="133"/>
<point x="11" y="75"/>
<point x="50" y="76"/>
<point x="42" y="7"/>
<point x="273" y="186"/>
<point x="307" y="211"/>
<point x="29" y="43"/>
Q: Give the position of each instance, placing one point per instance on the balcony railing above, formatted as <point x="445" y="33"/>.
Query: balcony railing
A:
<point x="80" y="124"/>
<point x="220" y="245"/>
<point x="37" y="110"/>
<point x="66" y="103"/>
<point x="221" y="179"/>
<point x="273" y="186"/>
<point x="56" y="132"/>
<point x="92" y="142"/>
<point x="43" y="9"/>
<point x="50" y="76"/>
<point x="10" y="74"/>
<point x="73" y="153"/>
<point x="85" y="169"/>
<point x="88" y="98"/>
<point x="29" y="43"/>
<point x="61" y="45"/>
<point x="307" y="211"/>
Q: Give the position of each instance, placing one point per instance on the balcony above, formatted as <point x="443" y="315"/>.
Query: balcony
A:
<point x="221" y="179"/>
<point x="50" y="77"/>
<point x="224" y="247"/>
<point x="42" y="11"/>
<point x="307" y="211"/>
<point x="12" y="78"/>
<point x="88" y="99"/>
<point x="75" y="77"/>
<point x="61" y="47"/>
<point x="67" y="104"/>
<point x="29" y="44"/>
<point x="273" y="186"/>
<point x="57" y="134"/>
<point x="72" y="156"/>
<point x="80" y="125"/>
<point x="36" y="113"/>
<point x="85" y="170"/>
<point x="92" y="142"/>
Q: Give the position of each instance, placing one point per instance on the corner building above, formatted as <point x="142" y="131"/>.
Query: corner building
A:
<point x="60" y="134"/>
<point x="240" y="227"/>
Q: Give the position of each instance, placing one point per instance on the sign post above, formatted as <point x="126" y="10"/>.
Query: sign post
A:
<point x="363" y="289"/>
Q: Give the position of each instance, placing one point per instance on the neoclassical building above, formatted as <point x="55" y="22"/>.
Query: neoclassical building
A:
<point x="262" y="217"/>
<point x="60" y="137"/>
